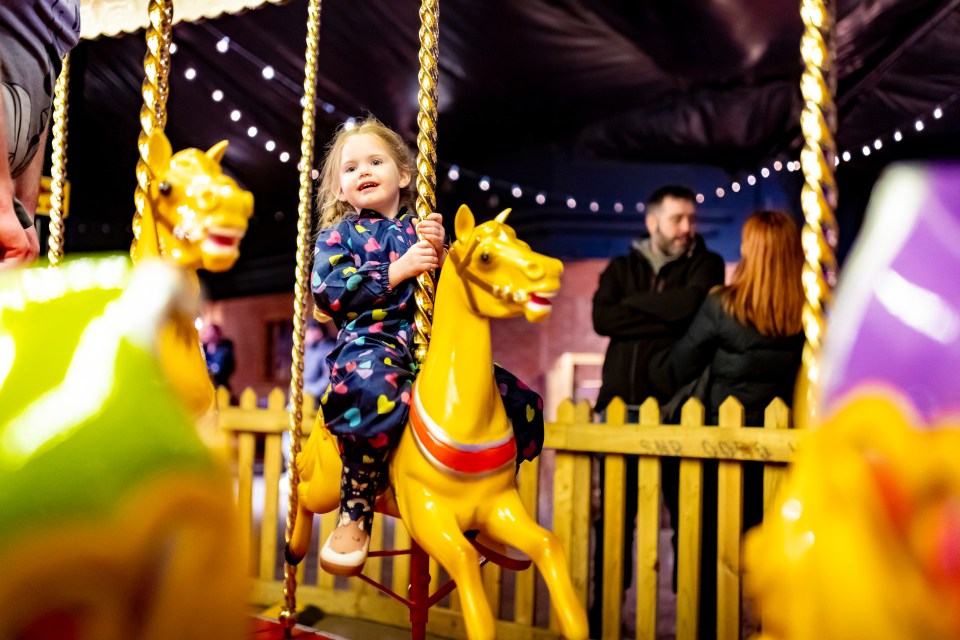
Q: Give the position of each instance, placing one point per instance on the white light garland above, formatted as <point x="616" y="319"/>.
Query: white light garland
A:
<point x="485" y="183"/>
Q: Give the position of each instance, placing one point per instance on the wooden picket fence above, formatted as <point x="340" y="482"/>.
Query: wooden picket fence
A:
<point x="563" y="497"/>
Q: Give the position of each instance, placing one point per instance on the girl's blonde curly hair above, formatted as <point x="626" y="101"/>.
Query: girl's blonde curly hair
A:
<point x="332" y="209"/>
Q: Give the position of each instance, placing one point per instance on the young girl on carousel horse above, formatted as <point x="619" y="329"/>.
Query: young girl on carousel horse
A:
<point x="365" y="264"/>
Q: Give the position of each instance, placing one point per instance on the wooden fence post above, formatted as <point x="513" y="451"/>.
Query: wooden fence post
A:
<point x="525" y="583"/>
<point x="246" y="447"/>
<point x="729" y="526"/>
<point x="648" y="530"/>
<point x="689" y="535"/>
<point x="613" y="521"/>
<point x="272" y="458"/>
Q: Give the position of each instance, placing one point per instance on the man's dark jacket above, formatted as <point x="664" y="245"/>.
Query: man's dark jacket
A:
<point x="645" y="313"/>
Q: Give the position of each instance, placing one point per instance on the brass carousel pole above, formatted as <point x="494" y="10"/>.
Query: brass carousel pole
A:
<point x="288" y="615"/>
<point x="153" y="112"/>
<point x="819" y="195"/>
<point x="423" y="294"/>
<point x="426" y="160"/>
<point x="59" y="164"/>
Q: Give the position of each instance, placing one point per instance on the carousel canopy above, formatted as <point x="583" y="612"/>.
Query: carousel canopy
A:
<point x="594" y="102"/>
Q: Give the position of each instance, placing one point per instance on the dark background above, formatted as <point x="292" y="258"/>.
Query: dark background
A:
<point x="597" y="101"/>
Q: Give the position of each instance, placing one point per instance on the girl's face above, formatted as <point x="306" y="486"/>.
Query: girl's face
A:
<point x="369" y="177"/>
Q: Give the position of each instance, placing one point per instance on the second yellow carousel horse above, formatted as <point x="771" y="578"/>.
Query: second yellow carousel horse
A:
<point x="453" y="470"/>
<point x="195" y="218"/>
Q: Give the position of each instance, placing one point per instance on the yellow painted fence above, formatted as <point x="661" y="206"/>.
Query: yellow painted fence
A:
<point x="563" y="496"/>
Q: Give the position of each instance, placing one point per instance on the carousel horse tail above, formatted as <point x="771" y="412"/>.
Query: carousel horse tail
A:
<point x="319" y="466"/>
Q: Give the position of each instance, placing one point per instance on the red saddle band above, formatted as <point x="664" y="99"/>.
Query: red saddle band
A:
<point x="465" y="460"/>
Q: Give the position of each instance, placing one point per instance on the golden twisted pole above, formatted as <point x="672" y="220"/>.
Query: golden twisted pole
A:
<point x="153" y="112"/>
<point x="819" y="195"/>
<point x="163" y="84"/>
<point x="59" y="163"/>
<point x="288" y="615"/>
<point x="426" y="160"/>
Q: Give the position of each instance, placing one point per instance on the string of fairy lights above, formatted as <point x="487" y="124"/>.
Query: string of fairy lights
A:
<point x="224" y="45"/>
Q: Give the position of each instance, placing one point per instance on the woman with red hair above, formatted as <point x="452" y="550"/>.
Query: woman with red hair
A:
<point x="746" y="342"/>
<point x="748" y="332"/>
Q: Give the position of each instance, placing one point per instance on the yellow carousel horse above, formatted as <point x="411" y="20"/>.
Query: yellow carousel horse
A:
<point x="195" y="218"/>
<point x="453" y="470"/>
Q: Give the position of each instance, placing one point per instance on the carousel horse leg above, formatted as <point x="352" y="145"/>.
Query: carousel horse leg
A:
<point x="441" y="538"/>
<point x="506" y="520"/>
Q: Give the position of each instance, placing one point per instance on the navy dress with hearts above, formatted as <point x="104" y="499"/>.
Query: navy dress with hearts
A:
<point x="372" y="367"/>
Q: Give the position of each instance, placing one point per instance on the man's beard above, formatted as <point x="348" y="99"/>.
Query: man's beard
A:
<point x="674" y="248"/>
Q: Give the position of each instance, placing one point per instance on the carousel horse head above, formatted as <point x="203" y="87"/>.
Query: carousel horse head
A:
<point x="115" y="519"/>
<point x="200" y="214"/>
<point x="864" y="539"/>
<point x="503" y="276"/>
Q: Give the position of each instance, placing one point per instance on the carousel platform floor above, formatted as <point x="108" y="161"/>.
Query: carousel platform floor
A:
<point x="331" y="627"/>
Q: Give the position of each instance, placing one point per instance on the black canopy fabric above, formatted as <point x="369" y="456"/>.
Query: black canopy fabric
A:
<point x="522" y="82"/>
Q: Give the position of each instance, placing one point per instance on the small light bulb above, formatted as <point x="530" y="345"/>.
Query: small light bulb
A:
<point x="284" y="156"/>
<point x="454" y="172"/>
<point x="223" y="44"/>
<point x="268" y="73"/>
<point x="571" y="202"/>
<point x="217" y="95"/>
<point x="541" y="198"/>
<point x="190" y="73"/>
<point x="484" y="183"/>
<point x="252" y="132"/>
<point x="235" y="115"/>
<point x="516" y="191"/>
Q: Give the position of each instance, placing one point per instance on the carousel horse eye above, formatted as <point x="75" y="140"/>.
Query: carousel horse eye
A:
<point x="165" y="188"/>
<point x="485" y="256"/>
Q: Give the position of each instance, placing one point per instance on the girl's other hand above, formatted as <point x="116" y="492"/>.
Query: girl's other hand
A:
<point x="418" y="258"/>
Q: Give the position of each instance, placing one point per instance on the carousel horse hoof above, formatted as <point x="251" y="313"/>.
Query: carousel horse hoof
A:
<point x="290" y="557"/>
<point x="345" y="563"/>
<point x="497" y="552"/>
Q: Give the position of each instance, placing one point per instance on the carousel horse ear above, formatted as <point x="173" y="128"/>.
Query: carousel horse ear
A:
<point x="464" y="222"/>
<point x="502" y="216"/>
<point x="216" y="152"/>
<point x="158" y="153"/>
